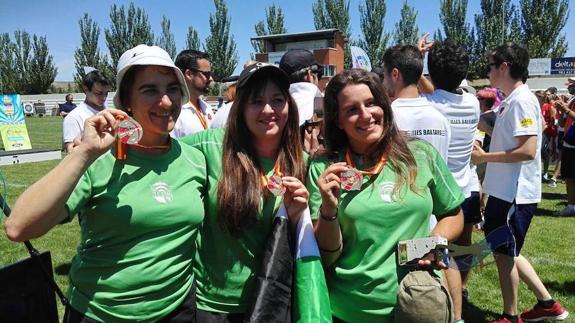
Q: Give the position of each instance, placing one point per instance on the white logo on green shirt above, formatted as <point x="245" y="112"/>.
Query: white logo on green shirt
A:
<point x="162" y="193"/>
<point x="386" y="191"/>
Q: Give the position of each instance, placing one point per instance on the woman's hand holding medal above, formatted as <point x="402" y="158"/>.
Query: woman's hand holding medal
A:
<point x="329" y="184"/>
<point x="100" y="132"/>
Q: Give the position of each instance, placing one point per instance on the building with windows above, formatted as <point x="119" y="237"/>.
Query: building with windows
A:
<point x="326" y="46"/>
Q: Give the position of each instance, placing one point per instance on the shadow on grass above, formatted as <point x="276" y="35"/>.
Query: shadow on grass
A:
<point x="473" y="314"/>
<point x="565" y="288"/>
<point x="62" y="269"/>
<point x="552" y="213"/>
<point x="553" y="196"/>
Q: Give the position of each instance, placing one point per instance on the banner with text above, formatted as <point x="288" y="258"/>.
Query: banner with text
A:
<point x="12" y="123"/>
<point x="563" y="65"/>
<point x="539" y="66"/>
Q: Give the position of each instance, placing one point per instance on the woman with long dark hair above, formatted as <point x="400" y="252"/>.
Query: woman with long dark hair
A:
<point x="261" y="145"/>
<point x="372" y="189"/>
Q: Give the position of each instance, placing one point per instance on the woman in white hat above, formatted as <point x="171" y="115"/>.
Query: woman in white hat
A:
<point x="139" y="212"/>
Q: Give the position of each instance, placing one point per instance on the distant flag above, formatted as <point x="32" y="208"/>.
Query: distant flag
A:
<point x="359" y="58"/>
<point x="274" y="298"/>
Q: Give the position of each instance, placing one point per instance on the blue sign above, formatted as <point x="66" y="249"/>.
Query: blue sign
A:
<point x="564" y="65"/>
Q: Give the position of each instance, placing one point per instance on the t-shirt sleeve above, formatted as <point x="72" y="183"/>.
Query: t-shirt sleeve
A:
<point x="71" y="129"/>
<point x="479" y="136"/>
<point x="197" y="162"/>
<point x="316" y="167"/>
<point x="80" y="195"/>
<point x="525" y="118"/>
<point x="445" y="192"/>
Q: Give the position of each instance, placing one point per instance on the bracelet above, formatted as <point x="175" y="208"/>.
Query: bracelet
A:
<point x="327" y="250"/>
<point x="332" y="218"/>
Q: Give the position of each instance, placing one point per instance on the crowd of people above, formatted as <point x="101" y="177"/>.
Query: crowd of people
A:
<point x="174" y="223"/>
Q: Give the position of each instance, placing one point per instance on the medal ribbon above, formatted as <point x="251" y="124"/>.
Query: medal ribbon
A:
<point x="376" y="169"/>
<point x="201" y="117"/>
<point x="276" y="171"/>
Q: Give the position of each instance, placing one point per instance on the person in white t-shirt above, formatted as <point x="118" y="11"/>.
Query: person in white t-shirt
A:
<point x="513" y="182"/>
<point x="197" y="114"/>
<point x="447" y="64"/>
<point x="96" y="88"/>
<point x="414" y="115"/>
<point x="304" y="74"/>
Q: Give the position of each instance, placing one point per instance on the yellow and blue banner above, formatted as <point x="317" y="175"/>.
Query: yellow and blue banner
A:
<point x="12" y="124"/>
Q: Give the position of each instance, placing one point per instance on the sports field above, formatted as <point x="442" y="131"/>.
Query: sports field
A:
<point x="550" y="244"/>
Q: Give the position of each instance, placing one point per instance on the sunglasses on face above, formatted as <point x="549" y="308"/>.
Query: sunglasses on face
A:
<point x="206" y="74"/>
<point x="310" y="125"/>
<point x="488" y="66"/>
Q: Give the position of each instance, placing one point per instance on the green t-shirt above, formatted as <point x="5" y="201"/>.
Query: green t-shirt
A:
<point x="139" y="220"/>
<point x="226" y="265"/>
<point x="363" y="281"/>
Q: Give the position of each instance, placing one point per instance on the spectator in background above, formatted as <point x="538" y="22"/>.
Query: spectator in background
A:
<point x="512" y="181"/>
<point x="96" y="88"/>
<point x="568" y="150"/>
<point x="447" y="64"/>
<point x="196" y="114"/>
<point x="221" y="117"/>
<point x="68" y="106"/>
<point x="414" y="115"/>
<point x="304" y="74"/>
<point x="549" y="131"/>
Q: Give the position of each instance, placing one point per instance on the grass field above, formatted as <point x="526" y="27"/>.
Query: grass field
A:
<point x="549" y="245"/>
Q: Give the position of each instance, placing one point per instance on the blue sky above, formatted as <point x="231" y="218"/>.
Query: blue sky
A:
<point x="58" y="20"/>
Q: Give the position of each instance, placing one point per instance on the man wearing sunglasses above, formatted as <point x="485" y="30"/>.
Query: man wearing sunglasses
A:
<point x="513" y="182"/>
<point x="304" y="74"/>
<point x="197" y="114"/>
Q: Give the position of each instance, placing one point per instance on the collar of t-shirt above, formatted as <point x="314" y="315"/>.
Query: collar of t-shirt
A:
<point x="410" y="102"/>
<point x="204" y="106"/>
<point x="521" y="90"/>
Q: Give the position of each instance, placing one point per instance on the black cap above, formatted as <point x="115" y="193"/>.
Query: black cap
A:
<point x="297" y="59"/>
<point x="258" y="68"/>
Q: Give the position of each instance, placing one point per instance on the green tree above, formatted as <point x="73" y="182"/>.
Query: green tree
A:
<point x="126" y="31"/>
<point x="25" y="64"/>
<point x="452" y="17"/>
<point x="192" y="39"/>
<point x="406" y="30"/>
<point x="329" y="14"/>
<point x="275" y="25"/>
<point x="498" y="23"/>
<point x="22" y="58"/>
<point x="88" y="54"/>
<point x="8" y="70"/>
<point x="42" y="71"/>
<point x="374" y="39"/>
<point x="167" y="40"/>
<point x="542" y="22"/>
<point x="220" y="45"/>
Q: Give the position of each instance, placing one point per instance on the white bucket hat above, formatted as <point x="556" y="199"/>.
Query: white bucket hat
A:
<point x="147" y="55"/>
